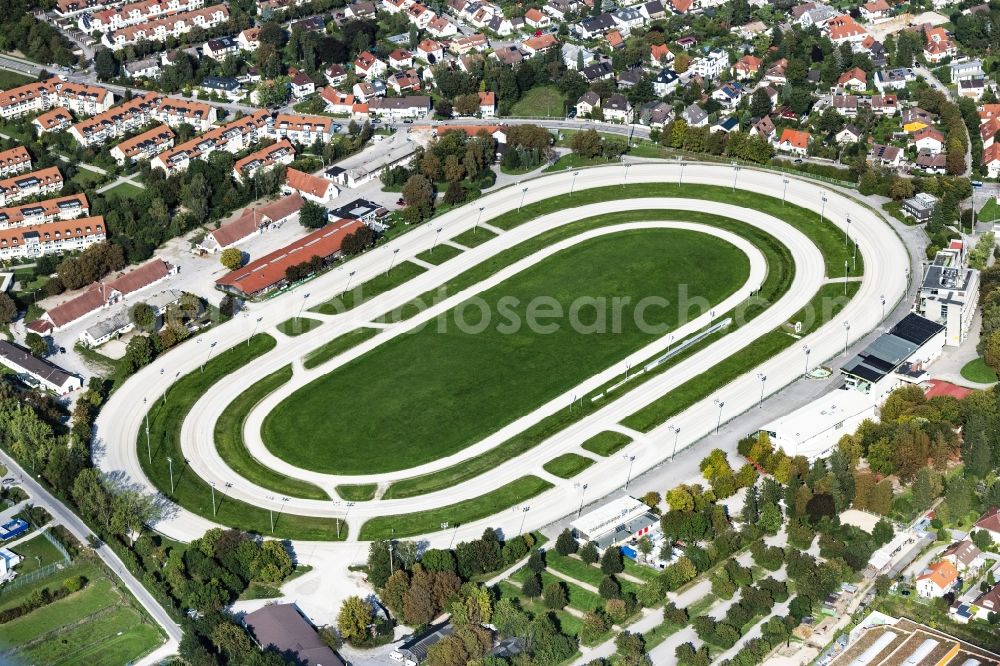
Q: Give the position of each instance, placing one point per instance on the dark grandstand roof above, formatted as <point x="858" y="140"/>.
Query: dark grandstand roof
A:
<point x="889" y="351"/>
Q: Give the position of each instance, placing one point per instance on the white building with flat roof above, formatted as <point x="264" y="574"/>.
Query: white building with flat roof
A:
<point x="949" y="294"/>
<point x="813" y="429"/>
<point x="615" y="522"/>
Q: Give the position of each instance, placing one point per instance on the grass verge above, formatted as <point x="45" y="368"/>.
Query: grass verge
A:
<point x="977" y="371"/>
<point x="298" y="325"/>
<point x="606" y="443"/>
<point x="190" y="491"/>
<point x="357" y="492"/>
<point x="567" y="465"/>
<point x="337" y="346"/>
<point x="474" y="237"/>
<point x="425" y="522"/>
<point x="369" y="290"/>
<point x="439" y="254"/>
<point x="231" y="447"/>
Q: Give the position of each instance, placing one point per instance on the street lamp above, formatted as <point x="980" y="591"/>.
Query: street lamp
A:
<point x="170" y="463"/>
<point x="847" y="335"/>
<point x="883" y="305"/>
<point x="256" y="324"/>
<point x="209" y="357"/>
<point x="270" y="512"/>
<point x="437" y="234"/>
<point x="475" y="227"/>
<point x="573" y="184"/>
<point x="718" y="423"/>
<point x="806" y="349"/>
<point x="392" y="261"/>
<point x="680" y="178"/>
<point x="302" y="306"/>
<point x="822" y="209"/>
<point x="629" y="459"/>
<point x="583" y="491"/>
<point x="847" y="230"/>
<point x="763" y="378"/>
<point x="213" y="497"/>
<point x="845" y="276"/>
<point x="149" y="451"/>
<point x="677" y="432"/>
<point x="524" y="191"/>
<point x="625" y="179"/>
<point x="736" y="173"/>
<point x="784" y="190"/>
<point x="524" y="514"/>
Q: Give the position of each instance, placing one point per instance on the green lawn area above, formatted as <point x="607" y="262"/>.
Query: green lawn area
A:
<point x="607" y="443"/>
<point x="990" y="212"/>
<point x="574" y="161"/>
<point x="540" y="101"/>
<point x="425" y="522"/>
<point x="86" y="178"/>
<point x="368" y="290"/>
<point x="474" y="237"/>
<point x="229" y="441"/>
<point x="40" y="547"/>
<point x="357" y="492"/>
<point x="567" y="465"/>
<point x="568" y="624"/>
<point x="123" y="190"/>
<point x="977" y="371"/>
<point x="190" y="491"/>
<point x="439" y="254"/>
<point x="574" y="568"/>
<point x="475" y="380"/>
<point x="337" y="346"/>
<point x="640" y="571"/>
<point x="298" y="325"/>
<point x="9" y="79"/>
<point x="92" y="598"/>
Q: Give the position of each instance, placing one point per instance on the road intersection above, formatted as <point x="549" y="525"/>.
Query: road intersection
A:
<point x="886" y="275"/>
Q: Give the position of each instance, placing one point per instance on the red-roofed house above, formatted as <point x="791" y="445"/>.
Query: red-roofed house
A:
<point x="488" y="104"/>
<point x="843" y="28"/>
<point x="937" y="580"/>
<point x="14" y="160"/>
<point x="747" y="66"/>
<point x="269" y="272"/>
<point x="939" y="46"/>
<point x="336" y="101"/>
<point x="250" y="222"/>
<point x="681" y="6"/>
<point x="990" y="522"/>
<point x="316" y="189"/>
<point x="400" y="58"/>
<point x="540" y="44"/>
<point x="874" y="12"/>
<point x="536" y="19"/>
<point x="367" y="65"/>
<point x="855" y="78"/>
<point x="929" y="139"/>
<point x="991" y="160"/>
<point x="660" y="55"/>
<point x="793" y="141"/>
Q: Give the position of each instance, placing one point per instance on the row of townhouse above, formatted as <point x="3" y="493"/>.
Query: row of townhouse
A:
<point x="49" y="210"/>
<point x="134" y="13"/>
<point x="26" y="185"/>
<point x="80" y="98"/>
<point x="30" y="242"/>
<point x="171" y="26"/>
<point x="14" y="160"/>
<point x="145" y="146"/>
<point x="116" y="121"/>
<point x="301" y="129"/>
<point x="263" y="160"/>
<point x="233" y="137"/>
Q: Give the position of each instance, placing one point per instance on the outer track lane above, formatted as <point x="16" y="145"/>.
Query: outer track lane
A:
<point x="886" y="271"/>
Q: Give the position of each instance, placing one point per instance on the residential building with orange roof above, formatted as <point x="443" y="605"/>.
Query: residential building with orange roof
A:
<point x="938" y="45"/>
<point x="367" y="65"/>
<point x="991" y="160"/>
<point x="487" y="104"/>
<point x="937" y="580"/>
<point x="854" y="78"/>
<point x="615" y="39"/>
<point x="14" y="160"/>
<point x="116" y="121"/>
<point x="541" y="44"/>
<point x="875" y="11"/>
<point x="314" y="188"/>
<point x="232" y="137"/>
<point x="264" y="159"/>
<point x="536" y="19"/>
<point x="747" y="66"/>
<point x="56" y="237"/>
<point x="49" y="210"/>
<point x="134" y="13"/>
<point x="336" y="101"/>
<point x="301" y="129"/>
<point x="249" y="39"/>
<point x="990" y="523"/>
<point x="793" y="141"/>
<point x="80" y="98"/>
<point x="660" y="55"/>
<point x="161" y="29"/>
<point x="55" y="120"/>
<point x="681" y="6"/>
<point x="34" y="184"/>
<point x="145" y="146"/>
<point x="174" y="112"/>
<point x="844" y="28"/>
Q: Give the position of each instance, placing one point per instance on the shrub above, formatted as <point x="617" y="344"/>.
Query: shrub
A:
<point x="74" y="584"/>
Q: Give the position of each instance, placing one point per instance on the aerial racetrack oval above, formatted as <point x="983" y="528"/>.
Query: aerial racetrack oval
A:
<point x="467" y="460"/>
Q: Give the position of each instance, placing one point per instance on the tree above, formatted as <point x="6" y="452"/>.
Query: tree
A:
<point x="536" y="562"/>
<point x="36" y="344"/>
<point x="609" y="588"/>
<point x="587" y="143"/>
<point x="231" y="258"/>
<point x="312" y="215"/>
<point x="467" y="105"/>
<point x="589" y="553"/>
<point x="105" y="65"/>
<point x="8" y="309"/>
<point x="234" y="642"/>
<point x="419" y="195"/>
<point x="554" y="596"/>
<point x="770" y="518"/>
<point x="565" y="543"/>
<point x="455" y="194"/>
<point x="143" y="317"/>
<point x="955" y="157"/>
<point x="611" y="561"/>
<point x="532" y="586"/>
<point x="272" y="92"/>
<point x="353" y="619"/>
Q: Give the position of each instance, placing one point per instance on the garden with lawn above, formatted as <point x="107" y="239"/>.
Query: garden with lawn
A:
<point x="472" y="379"/>
<point x="540" y="102"/>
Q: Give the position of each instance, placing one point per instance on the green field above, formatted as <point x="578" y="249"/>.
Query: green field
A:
<point x="86" y="178"/>
<point x="977" y="371"/>
<point x="37" y="552"/>
<point x="567" y="465"/>
<point x="606" y="443"/>
<point x="439" y="254"/>
<point x="337" y="346"/>
<point x="123" y="190"/>
<point x="190" y="491"/>
<point x="574" y="161"/>
<point x="425" y="522"/>
<point x="474" y="237"/>
<point x="473" y="381"/>
<point x="357" y="492"/>
<point x="9" y="79"/>
<point x="540" y="101"/>
<point x="229" y="441"/>
<point x="369" y="290"/>
<point x="298" y="325"/>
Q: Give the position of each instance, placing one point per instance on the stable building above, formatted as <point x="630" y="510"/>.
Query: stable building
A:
<point x="615" y="523"/>
<point x="37" y="371"/>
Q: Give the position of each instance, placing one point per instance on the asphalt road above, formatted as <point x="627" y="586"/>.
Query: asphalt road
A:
<point x="63" y="515"/>
<point x="887" y="270"/>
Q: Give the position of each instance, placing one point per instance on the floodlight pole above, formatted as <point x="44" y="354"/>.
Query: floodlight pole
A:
<point x="213" y="498"/>
<point x="784" y="190"/>
<point x="628" y="477"/>
<point x="583" y="492"/>
<point x="806" y="349"/>
<point x="677" y="432"/>
<point x="763" y="378"/>
<point x="573" y="184"/>
<point x="392" y="260"/>
<point x="475" y="228"/>
<point x="718" y="424"/>
<point x="149" y="450"/>
<point x="170" y="463"/>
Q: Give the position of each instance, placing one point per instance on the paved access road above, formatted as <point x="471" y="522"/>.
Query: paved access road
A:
<point x="64" y="516"/>
<point x="886" y="274"/>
